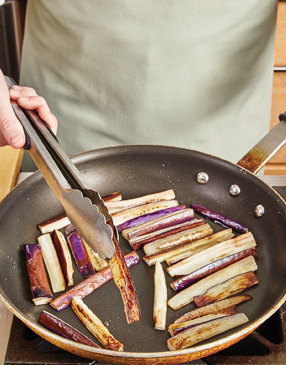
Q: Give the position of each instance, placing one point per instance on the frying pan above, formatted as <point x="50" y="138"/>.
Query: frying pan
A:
<point x="134" y="171"/>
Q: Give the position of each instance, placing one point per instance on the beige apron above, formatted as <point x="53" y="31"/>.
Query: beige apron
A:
<point x="188" y="73"/>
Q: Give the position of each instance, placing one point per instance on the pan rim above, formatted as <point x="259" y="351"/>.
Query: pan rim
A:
<point x="206" y="348"/>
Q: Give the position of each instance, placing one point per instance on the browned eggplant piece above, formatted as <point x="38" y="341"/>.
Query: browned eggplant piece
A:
<point x="94" y="325"/>
<point x="160" y="298"/>
<point x="116" y="206"/>
<point x="124" y="283"/>
<point x="166" y="232"/>
<point x="90" y="284"/>
<point x="64" y="256"/>
<point x="97" y="262"/>
<point x="226" y="289"/>
<point x="211" y="254"/>
<point x="227" y="306"/>
<point x="206" y="330"/>
<point x="177" y="239"/>
<point x="52" y="263"/>
<point x="79" y="252"/>
<point x="63" y="329"/>
<point x="131" y="213"/>
<point x="171" y="219"/>
<point x="40" y="288"/>
<point x="187" y="280"/>
<point x="189" y="248"/>
<point x="187" y="295"/>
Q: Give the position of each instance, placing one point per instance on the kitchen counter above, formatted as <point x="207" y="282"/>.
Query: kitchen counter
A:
<point x="6" y="316"/>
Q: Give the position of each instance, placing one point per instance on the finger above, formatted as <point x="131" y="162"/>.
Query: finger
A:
<point x="32" y="102"/>
<point x="12" y="131"/>
<point x="48" y="117"/>
<point x="17" y="93"/>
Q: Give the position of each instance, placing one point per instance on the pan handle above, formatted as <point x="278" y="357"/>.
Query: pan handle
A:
<point x="267" y="147"/>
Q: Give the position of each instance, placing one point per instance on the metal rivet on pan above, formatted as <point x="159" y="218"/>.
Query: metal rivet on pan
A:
<point x="259" y="210"/>
<point x="234" y="190"/>
<point x="202" y="177"/>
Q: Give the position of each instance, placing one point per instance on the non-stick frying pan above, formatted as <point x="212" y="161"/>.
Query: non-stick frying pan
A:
<point x="134" y="171"/>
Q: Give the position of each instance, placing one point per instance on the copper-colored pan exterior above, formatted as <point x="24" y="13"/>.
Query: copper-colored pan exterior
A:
<point x="135" y="170"/>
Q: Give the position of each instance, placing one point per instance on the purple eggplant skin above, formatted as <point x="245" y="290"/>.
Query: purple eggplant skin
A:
<point x="148" y="217"/>
<point x="63" y="329"/>
<point x="219" y="218"/>
<point x="187" y="280"/>
<point x="40" y="287"/>
<point x="79" y="252"/>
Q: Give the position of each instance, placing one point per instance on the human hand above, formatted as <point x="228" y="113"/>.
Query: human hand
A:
<point x="11" y="130"/>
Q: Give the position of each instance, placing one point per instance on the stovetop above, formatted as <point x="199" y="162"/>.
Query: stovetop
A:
<point x="265" y="346"/>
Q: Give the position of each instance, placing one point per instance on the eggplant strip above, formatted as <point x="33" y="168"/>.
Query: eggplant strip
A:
<point x="177" y="239"/>
<point x="40" y="288"/>
<point x="206" y="330"/>
<point x="79" y="252"/>
<point x="211" y="254"/>
<point x="62" y="220"/>
<point x="166" y="232"/>
<point x="224" y="290"/>
<point x="114" y="206"/>
<point x="95" y="326"/>
<point x="52" y="263"/>
<point x="187" y="295"/>
<point x="160" y="298"/>
<point x="172" y="219"/>
<point x="187" y="280"/>
<point x="176" y="328"/>
<point x="148" y="217"/>
<point x="97" y="262"/>
<point x="124" y="283"/>
<point x="219" y="218"/>
<point x="64" y="256"/>
<point x="131" y="213"/>
<point x="189" y="248"/>
<point x="90" y="284"/>
<point x="223" y="306"/>
<point x="63" y="329"/>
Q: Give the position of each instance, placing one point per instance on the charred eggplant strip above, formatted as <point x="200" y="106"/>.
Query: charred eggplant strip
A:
<point x="90" y="284"/>
<point x="62" y="220"/>
<point x="188" y="249"/>
<point x="40" y="288"/>
<point x="79" y="252"/>
<point x="212" y="254"/>
<point x="224" y="290"/>
<point x="148" y="217"/>
<point x="187" y="295"/>
<point x="177" y="239"/>
<point x="54" y="223"/>
<point x="63" y="329"/>
<point x="64" y="256"/>
<point x="201" y="332"/>
<point x="219" y="218"/>
<point x="131" y="213"/>
<point x="52" y="263"/>
<point x="176" y="328"/>
<point x="187" y="280"/>
<point x="160" y="298"/>
<point x="114" y="207"/>
<point x="94" y="325"/>
<point x="166" y="232"/>
<point x="227" y="306"/>
<point x="97" y="262"/>
<point x="113" y="197"/>
<point x="124" y="283"/>
<point x="163" y="222"/>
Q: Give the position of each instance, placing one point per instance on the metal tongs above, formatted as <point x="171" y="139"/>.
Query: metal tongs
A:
<point x="83" y="206"/>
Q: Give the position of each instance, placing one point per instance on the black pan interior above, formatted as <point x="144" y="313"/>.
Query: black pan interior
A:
<point x="134" y="171"/>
